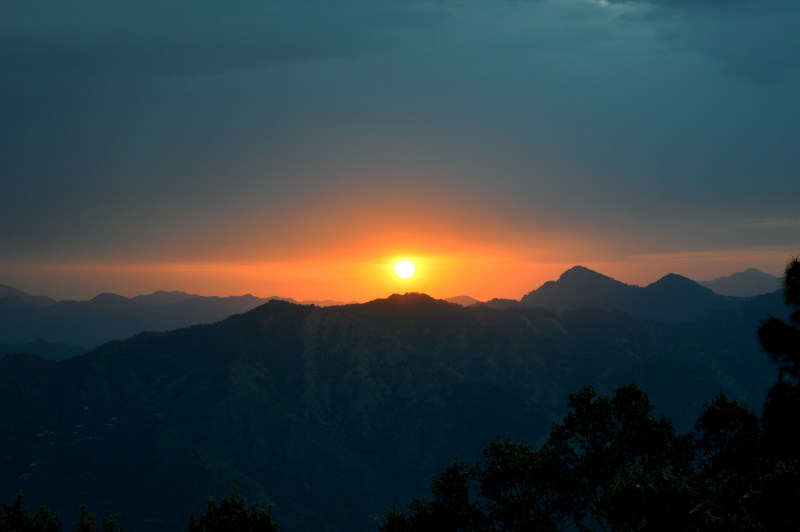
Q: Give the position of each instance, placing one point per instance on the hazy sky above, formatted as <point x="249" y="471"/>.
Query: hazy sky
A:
<point x="297" y="148"/>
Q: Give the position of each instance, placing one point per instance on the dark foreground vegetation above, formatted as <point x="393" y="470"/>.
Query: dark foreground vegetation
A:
<point x="609" y="464"/>
<point x="231" y="514"/>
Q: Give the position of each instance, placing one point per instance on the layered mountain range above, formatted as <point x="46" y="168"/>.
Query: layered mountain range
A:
<point x="334" y="414"/>
<point x="25" y="318"/>
<point x="673" y="297"/>
<point x="86" y="324"/>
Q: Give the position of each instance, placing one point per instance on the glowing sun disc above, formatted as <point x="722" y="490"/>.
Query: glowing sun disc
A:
<point x="404" y="269"/>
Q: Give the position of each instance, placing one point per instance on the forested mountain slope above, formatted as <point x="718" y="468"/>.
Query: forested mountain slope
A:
<point x="335" y="413"/>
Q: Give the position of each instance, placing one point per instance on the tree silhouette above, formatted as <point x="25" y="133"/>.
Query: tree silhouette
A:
<point x="619" y="459"/>
<point x="454" y="507"/>
<point x="611" y="465"/>
<point x="15" y="518"/>
<point x="88" y="523"/>
<point x="608" y="465"/>
<point x="781" y="340"/>
<point x="233" y="515"/>
<point x="726" y="438"/>
<point x="525" y="488"/>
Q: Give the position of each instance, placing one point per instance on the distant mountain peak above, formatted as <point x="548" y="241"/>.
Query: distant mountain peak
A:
<point x="411" y="297"/>
<point x="750" y="282"/>
<point x="10" y="291"/>
<point x="410" y="301"/>
<point x="580" y="272"/>
<point x="169" y="292"/>
<point x="273" y="304"/>
<point x="108" y="297"/>
<point x="464" y="301"/>
<point x="673" y="279"/>
<point x="578" y="287"/>
<point x="583" y="275"/>
<point x="161" y="298"/>
<point x="672" y="282"/>
<point x="672" y="297"/>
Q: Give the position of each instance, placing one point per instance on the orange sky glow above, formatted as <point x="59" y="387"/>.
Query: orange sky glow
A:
<point x="327" y="246"/>
<point x="495" y="144"/>
<point x="367" y="276"/>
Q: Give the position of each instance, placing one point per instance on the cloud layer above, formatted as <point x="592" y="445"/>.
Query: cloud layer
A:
<point x="653" y="125"/>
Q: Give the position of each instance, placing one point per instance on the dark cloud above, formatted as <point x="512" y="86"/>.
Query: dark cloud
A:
<point x="185" y="36"/>
<point x="122" y="123"/>
<point x="752" y="40"/>
<point x="690" y="4"/>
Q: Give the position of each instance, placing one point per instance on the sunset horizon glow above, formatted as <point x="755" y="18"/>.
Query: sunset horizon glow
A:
<point x="301" y="149"/>
<point x="482" y="277"/>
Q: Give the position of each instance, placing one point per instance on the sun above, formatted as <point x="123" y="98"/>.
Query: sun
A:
<point x="404" y="269"/>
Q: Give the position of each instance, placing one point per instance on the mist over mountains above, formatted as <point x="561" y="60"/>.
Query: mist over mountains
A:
<point x="333" y="414"/>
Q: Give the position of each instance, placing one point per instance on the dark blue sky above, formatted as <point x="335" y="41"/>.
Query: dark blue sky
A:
<point x="638" y="136"/>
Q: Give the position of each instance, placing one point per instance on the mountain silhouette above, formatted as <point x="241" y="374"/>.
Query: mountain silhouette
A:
<point x="49" y="350"/>
<point x="678" y="298"/>
<point x="9" y="291"/>
<point x="335" y="413"/>
<point x="750" y="282"/>
<point x="464" y="301"/>
<point x="162" y="298"/>
<point x="107" y="316"/>
<point x="580" y="287"/>
<point x="25" y="318"/>
<point x="673" y="297"/>
<point x="499" y="303"/>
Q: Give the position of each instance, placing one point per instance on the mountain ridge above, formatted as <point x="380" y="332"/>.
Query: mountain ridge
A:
<point x="10" y="291"/>
<point x="109" y="316"/>
<point x="672" y="297"/>
<point x="747" y="283"/>
<point x="334" y="413"/>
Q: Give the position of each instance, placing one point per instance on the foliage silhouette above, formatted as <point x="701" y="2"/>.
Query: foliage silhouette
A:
<point x="88" y="523"/>
<point x="608" y="465"/>
<point x="611" y="465"/>
<point x="233" y="515"/>
<point x="15" y="518"/>
<point x="781" y="340"/>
